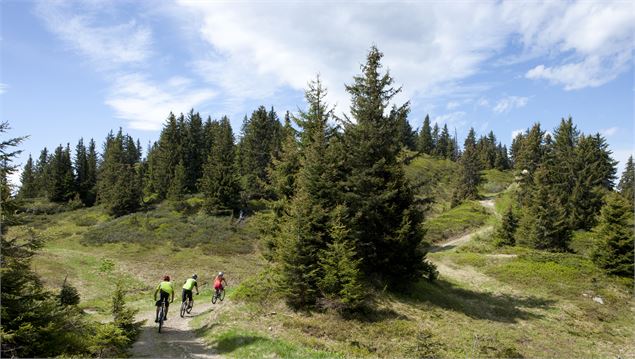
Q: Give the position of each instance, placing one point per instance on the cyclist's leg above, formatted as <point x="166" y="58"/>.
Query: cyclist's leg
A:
<point x="183" y="295"/>
<point x="166" y="298"/>
<point x="189" y="296"/>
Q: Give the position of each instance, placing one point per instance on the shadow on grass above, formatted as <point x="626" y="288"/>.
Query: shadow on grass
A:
<point x="231" y="343"/>
<point x="503" y="308"/>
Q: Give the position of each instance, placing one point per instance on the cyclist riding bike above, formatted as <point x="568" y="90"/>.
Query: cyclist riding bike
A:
<point x="187" y="289"/>
<point x="218" y="282"/>
<point x="166" y="290"/>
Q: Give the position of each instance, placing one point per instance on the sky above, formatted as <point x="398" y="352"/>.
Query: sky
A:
<point x="72" y="69"/>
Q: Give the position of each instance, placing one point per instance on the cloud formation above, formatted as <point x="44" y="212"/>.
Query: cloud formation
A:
<point x="509" y="103"/>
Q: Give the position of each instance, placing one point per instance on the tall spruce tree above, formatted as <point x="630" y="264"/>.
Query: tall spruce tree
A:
<point x="614" y="252"/>
<point x="379" y="199"/>
<point x="90" y="183"/>
<point x="545" y="224"/>
<point x="443" y="144"/>
<point x="220" y="182"/>
<point x="627" y="182"/>
<point x="259" y="142"/>
<point x="506" y="231"/>
<point x="178" y="186"/>
<point x="118" y="183"/>
<point x="469" y="176"/>
<point x="62" y="182"/>
<point x="285" y="164"/>
<point x="407" y="137"/>
<point x="425" y="144"/>
<point x="85" y="176"/>
<point x="193" y="147"/>
<point x="305" y="222"/>
<point x="28" y="187"/>
<point x="435" y="140"/>
<point x="166" y="156"/>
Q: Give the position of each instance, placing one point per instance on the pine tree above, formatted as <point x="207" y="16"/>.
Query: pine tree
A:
<point x="444" y="143"/>
<point x="469" y="176"/>
<point x="68" y="294"/>
<point x="90" y="183"/>
<point x="286" y="164"/>
<point x="62" y="182"/>
<point x="505" y="233"/>
<point x="379" y="199"/>
<point x="527" y="160"/>
<point x="435" y="140"/>
<point x="220" y="182"/>
<point x="193" y="143"/>
<point x="614" y="252"/>
<point x="177" y="188"/>
<point x="166" y="156"/>
<point x="407" y="137"/>
<point x="260" y="140"/>
<point x="627" y="182"/>
<point x="28" y="187"/>
<point x="341" y="279"/>
<point x="42" y="173"/>
<point x="544" y="224"/>
<point x="119" y="187"/>
<point x="425" y="144"/>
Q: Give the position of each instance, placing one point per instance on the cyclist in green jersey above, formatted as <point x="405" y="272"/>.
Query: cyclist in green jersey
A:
<point x="187" y="288"/>
<point x="166" y="290"/>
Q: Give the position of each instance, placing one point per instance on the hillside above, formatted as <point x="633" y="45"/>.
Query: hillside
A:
<point x="487" y="302"/>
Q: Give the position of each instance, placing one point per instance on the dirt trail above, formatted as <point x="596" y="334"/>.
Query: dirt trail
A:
<point x="177" y="339"/>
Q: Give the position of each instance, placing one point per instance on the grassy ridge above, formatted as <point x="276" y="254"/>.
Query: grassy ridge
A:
<point x="456" y="221"/>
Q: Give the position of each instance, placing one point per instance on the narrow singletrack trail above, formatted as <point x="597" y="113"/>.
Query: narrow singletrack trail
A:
<point x="177" y="339"/>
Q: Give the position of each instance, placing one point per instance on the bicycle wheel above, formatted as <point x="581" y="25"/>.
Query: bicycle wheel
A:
<point x="189" y="307"/>
<point x="161" y="311"/>
<point x="221" y="295"/>
<point x="183" y="308"/>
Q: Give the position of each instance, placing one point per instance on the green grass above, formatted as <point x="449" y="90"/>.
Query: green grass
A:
<point x="433" y="180"/>
<point x="456" y="221"/>
<point x="495" y="181"/>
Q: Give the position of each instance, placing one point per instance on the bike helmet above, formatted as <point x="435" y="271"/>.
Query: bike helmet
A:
<point x="221" y="274"/>
<point x="194" y="276"/>
<point x="166" y="278"/>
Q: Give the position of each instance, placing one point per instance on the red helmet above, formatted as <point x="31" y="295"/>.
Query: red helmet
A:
<point x="166" y="278"/>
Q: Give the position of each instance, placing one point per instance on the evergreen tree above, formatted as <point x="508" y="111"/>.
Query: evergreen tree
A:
<point x="194" y="144"/>
<point x="286" y="164"/>
<point x="9" y="204"/>
<point x="527" y="160"/>
<point x="42" y="173"/>
<point x="469" y="176"/>
<point x="178" y="186"/>
<point x="544" y="224"/>
<point x="166" y="156"/>
<point x="220" y="182"/>
<point x="62" y="181"/>
<point x="435" y="140"/>
<point x="443" y="144"/>
<point x="305" y="222"/>
<point x="83" y="179"/>
<point x="260" y="140"/>
<point x="627" y="182"/>
<point x="90" y="183"/>
<point x="379" y="199"/>
<point x="614" y="252"/>
<point x="341" y="279"/>
<point x="28" y="187"/>
<point x="407" y="137"/>
<point x="506" y="232"/>
<point x="68" y="294"/>
<point x="425" y="144"/>
<point x="119" y="187"/>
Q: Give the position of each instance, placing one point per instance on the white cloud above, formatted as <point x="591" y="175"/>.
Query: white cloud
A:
<point x="452" y="105"/>
<point x="146" y="105"/>
<point x="483" y="102"/>
<point x="509" y="103"/>
<point x="596" y="37"/>
<point x="452" y="119"/>
<point x="105" y="45"/>
<point x="516" y="133"/>
<point x="607" y="132"/>
<point x="3" y="88"/>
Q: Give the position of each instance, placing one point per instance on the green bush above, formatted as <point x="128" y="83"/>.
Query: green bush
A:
<point x="68" y="295"/>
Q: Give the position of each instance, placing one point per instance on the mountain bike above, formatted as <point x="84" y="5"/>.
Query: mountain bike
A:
<point x="186" y="306"/>
<point x="219" y="294"/>
<point x="162" y="310"/>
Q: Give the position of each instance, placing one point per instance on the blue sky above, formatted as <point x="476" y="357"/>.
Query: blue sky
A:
<point x="76" y="69"/>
